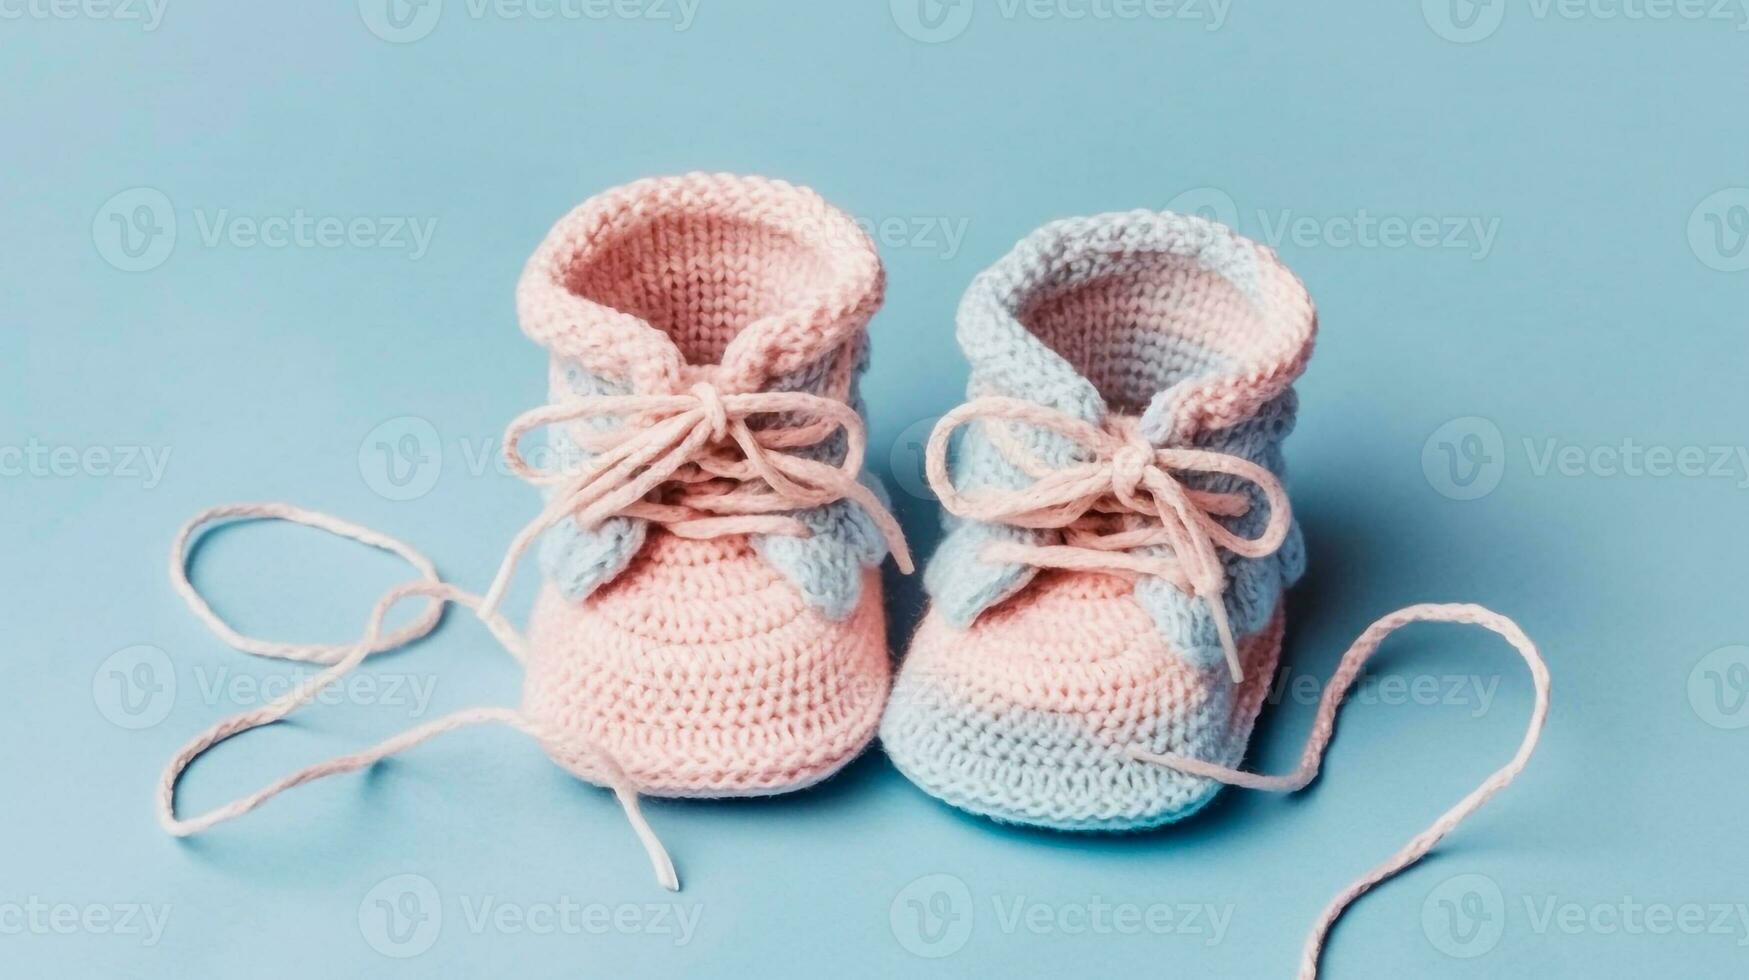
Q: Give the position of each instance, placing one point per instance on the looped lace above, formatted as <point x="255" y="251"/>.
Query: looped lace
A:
<point x="1125" y="497"/>
<point x="696" y="465"/>
<point x="350" y="656"/>
<point x="692" y="462"/>
<point x="715" y="413"/>
<point x="1324" y="726"/>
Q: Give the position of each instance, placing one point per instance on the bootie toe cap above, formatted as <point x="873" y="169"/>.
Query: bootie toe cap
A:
<point x="1030" y="715"/>
<point x="702" y="672"/>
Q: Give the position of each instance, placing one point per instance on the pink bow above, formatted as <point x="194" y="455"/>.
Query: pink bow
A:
<point x="725" y="476"/>
<point x="1125" y="497"/>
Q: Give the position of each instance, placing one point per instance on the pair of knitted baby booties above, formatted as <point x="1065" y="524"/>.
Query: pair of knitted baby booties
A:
<point x="721" y="664"/>
<point x="1106" y="605"/>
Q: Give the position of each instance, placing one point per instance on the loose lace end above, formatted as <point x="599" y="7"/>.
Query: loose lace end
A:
<point x="1324" y="726"/>
<point x="342" y="659"/>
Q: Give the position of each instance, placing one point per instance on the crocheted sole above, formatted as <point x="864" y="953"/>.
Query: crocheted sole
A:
<point x="689" y="776"/>
<point x="1048" y="768"/>
<point x="720" y="792"/>
<point x="1073" y="796"/>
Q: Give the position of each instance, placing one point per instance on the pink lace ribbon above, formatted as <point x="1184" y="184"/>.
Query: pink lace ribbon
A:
<point x="691" y="462"/>
<point x="342" y="660"/>
<point x="728" y="477"/>
<point x="1124" y="498"/>
<point x="1324" y="726"/>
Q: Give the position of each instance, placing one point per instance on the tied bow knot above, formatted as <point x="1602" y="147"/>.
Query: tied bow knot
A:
<point x="1125" y="495"/>
<point x="710" y="404"/>
<point x="696" y="464"/>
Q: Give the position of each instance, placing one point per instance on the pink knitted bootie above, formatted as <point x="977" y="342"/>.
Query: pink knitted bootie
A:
<point x="724" y="635"/>
<point x="711" y="621"/>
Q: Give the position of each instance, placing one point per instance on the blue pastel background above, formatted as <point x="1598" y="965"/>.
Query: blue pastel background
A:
<point x="1466" y="434"/>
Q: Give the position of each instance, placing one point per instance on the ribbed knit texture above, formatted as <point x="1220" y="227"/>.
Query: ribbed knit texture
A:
<point x="1025" y="690"/>
<point x="745" y="664"/>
